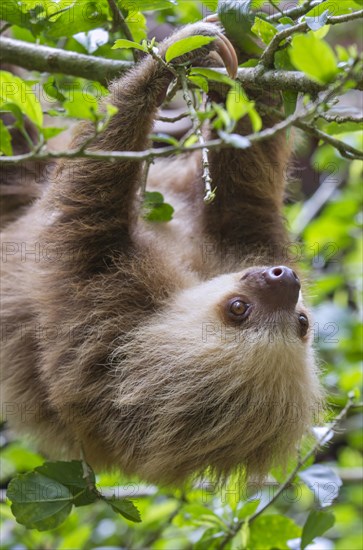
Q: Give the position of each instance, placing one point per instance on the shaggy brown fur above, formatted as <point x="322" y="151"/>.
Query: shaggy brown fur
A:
<point x="120" y="334"/>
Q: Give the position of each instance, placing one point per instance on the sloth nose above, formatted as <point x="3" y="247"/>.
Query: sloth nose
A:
<point x="282" y="275"/>
<point x="284" y="285"/>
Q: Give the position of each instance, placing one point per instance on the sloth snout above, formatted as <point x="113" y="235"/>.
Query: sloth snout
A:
<point x="283" y="285"/>
<point x="282" y="275"/>
<point x="276" y="287"/>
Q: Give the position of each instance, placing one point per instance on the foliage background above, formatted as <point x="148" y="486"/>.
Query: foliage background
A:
<point x="330" y="243"/>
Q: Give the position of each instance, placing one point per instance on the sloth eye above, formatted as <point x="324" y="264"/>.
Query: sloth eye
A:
<point x="238" y="310"/>
<point x="304" y="324"/>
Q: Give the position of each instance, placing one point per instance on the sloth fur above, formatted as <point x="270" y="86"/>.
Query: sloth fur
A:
<point x="130" y="337"/>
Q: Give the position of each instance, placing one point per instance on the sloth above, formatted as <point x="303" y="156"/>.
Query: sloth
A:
<point x="166" y="350"/>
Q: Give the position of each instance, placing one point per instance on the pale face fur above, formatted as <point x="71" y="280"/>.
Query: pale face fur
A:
<point x="232" y="392"/>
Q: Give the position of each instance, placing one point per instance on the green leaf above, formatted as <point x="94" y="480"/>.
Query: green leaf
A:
<point x="237" y="104"/>
<point x="17" y="458"/>
<point x="51" y="89"/>
<point x="316" y="23"/>
<point x="282" y="61"/>
<point x="186" y="45"/>
<point x="199" y="81"/>
<point x="155" y="209"/>
<point x="314" y="57"/>
<point x="272" y="531"/>
<point x="111" y="109"/>
<point x="165" y="138"/>
<point x="248" y="509"/>
<point x="290" y="100"/>
<point x="10" y="11"/>
<point x="255" y="119"/>
<point x="71" y="475"/>
<point x="264" y="30"/>
<point x="52" y="131"/>
<point x="203" y="514"/>
<point x="211" y="540"/>
<point x="335" y="8"/>
<point x="317" y="523"/>
<point x="322" y="481"/>
<point x="146" y="5"/>
<point x="215" y="76"/>
<point x="237" y="19"/>
<point x="136" y="22"/>
<point x="123" y="43"/>
<point x="81" y="105"/>
<point x="15" y="90"/>
<point x="39" y="502"/>
<point x="249" y="63"/>
<point x="5" y="140"/>
<point x="80" y="17"/>
<point x="336" y="128"/>
<point x="240" y="142"/>
<point x="126" y="508"/>
<point x="16" y="112"/>
<point x="190" y="141"/>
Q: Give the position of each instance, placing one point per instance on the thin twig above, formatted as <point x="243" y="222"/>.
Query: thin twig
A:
<point x="267" y="58"/>
<point x="154" y="536"/>
<point x="145" y="175"/>
<point x="347" y="151"/>
<point x="172" y="119"/>
<point x="293" y="13"/>
<point x="340" y="118"/>
<point x="235" y="528"/>
<point x="315" y="203"/>
<point x="118" y="22"/>
<point x="277" y="8"/>
<point x="152" y="153"/>
<point x="209" y="192"/>
<point x="5" y="27"/>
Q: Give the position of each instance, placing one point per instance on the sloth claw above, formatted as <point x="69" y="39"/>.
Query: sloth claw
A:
<point x="224" y="48"/>
<point x="228" y="54"/>
<point x="212" y="18"/>
<point x="221" y="45"/>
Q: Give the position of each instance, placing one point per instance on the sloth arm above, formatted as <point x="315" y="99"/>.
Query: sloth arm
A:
<point x="93" y="200"/>
<point x="245" y="217"/>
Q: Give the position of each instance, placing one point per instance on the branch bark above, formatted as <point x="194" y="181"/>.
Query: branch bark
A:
<point x="52" y="60"/>
<point x="35" y="57"/>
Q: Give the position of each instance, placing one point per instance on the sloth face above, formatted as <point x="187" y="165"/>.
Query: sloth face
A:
<point x="268" y="297"/>
<point x="258" y="304"/>
<point x="223" y="377"/>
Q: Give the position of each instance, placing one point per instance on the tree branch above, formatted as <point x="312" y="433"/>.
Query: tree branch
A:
<point x="340" y="118"/>
<point x="35" y="57"/>
<point x="150" y="154"/>
<point x="297" y="11"/>
<point x="52" y="60"/>
<point x="267" y="58"/>
<point x="347" y="151"/>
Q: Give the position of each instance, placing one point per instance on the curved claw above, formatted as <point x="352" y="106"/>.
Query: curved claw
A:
<point x="228" y="54"/>
<point x="212" y="18"/>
